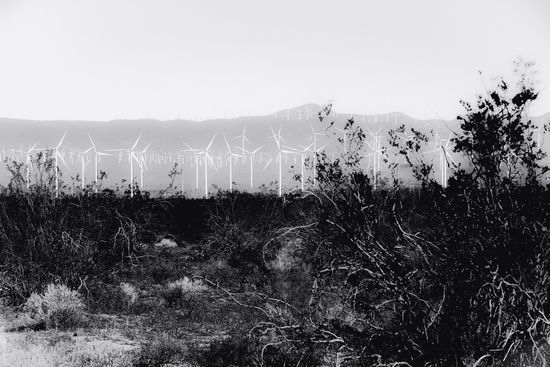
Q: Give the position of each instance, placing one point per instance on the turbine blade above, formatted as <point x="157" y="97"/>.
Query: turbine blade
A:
<point x="256" y="151"/>
<point x="228" y="148"/>
<point x="61" y="141"/>
<point x="188" y="146"/>
<point x="268" y="162"/>
<point x="137" y="140"/>
<point x="147" y="147"/>
<point x="62" y="159"/>
<point x="211" y="141"/>
<point x="92" y="142"/>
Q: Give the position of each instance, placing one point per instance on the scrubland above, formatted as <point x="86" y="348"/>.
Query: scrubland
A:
<point x="356" y="271"/>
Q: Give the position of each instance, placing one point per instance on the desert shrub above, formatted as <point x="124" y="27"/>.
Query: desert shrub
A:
<point x="291" y="272"/>
<point x="239" y="226"/>
<point x="160" y="350"/>
<point x="58" y="307"/>
<point x="183" y="293"/>
<point x="245" y="350"/>
<point x="105" y="297"/>
<point x="217" y="270"/>
<point x="130" y="294"/>
<point x="161" y="271"/>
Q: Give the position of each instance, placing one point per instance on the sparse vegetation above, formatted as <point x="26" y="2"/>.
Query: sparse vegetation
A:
<point x="358" y="272"/>
<point x="58" y="307"/>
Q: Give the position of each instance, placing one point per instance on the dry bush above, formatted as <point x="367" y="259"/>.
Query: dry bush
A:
<point x="160" y="350"/>
<point x="183" y="293"/>
<point x="58" y="307"/>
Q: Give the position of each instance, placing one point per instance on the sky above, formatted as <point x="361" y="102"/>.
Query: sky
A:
<point x="166" y="59"/>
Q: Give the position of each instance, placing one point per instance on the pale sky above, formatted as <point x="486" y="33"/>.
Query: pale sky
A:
<point x="163" y="59"/>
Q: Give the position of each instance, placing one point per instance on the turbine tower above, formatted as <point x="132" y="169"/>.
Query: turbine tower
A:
<point x="131" y="157"/>
<point x="278" y="139"/>
<point x="206" y="154"/>
<point x="231" y="155"/>
<point x="96" y="159"/>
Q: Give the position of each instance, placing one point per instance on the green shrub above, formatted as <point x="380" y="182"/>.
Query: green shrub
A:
<point x="58" y="307"/>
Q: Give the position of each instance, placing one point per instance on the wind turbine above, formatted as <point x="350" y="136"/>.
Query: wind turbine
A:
<point x="205" y="153"/>
<point x="84" y="163"/>
<point x="309" y="113"/>
<point x="243" y="140"/>
<point x="28" y="164"/>
<point x="345" y="138"/>
<point x="444" y="156"/>
<point x="143" y="163"/>
<point x="404" y="148"/>
<point x="131" y="156"/>
<point x="96" y="159"/>
<point x="58" y="155"/>
<point x="376" y="151"/>
<point x="302" y="153"/>
<point x="315" y="151"/>
<point x="252" y="158"/>
<point x="231" y="155"/>
<point x="278" y="138"/>
<point x="397" y="114"/>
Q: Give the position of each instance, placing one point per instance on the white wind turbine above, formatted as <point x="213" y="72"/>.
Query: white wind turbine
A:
<point x="252" y="159"/>
<point x="309" y="113"/>
<point x="131" y="156"/>
<point x="57" y="156"/>
<point x="231" y="155"/>
<point x="345" y="138"/>
<point x="143" y="163"/>
<point x="397" y="114"/>
<point x="96" y="160"/>
<point x="206" y="154"/>
<point x="376" y="152"/>
<point x="243" y="137"/>
<point x="194" y="158"/>
<point x="84" y="161"/>
<point x="302" y="154"/>
<point x="442" y="146"/>
<point x="315" y="151"/>
<point x="28" y="164"/>
<point x="404" y="148"/>
<point x="278" y="139"/>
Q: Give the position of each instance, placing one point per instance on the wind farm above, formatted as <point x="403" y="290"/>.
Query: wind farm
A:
<point x="262" y="152"/>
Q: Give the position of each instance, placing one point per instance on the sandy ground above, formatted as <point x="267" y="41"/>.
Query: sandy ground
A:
<point x="53" y="348"/>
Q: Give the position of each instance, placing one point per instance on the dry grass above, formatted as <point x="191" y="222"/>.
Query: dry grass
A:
<point x="55" y="348"/>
